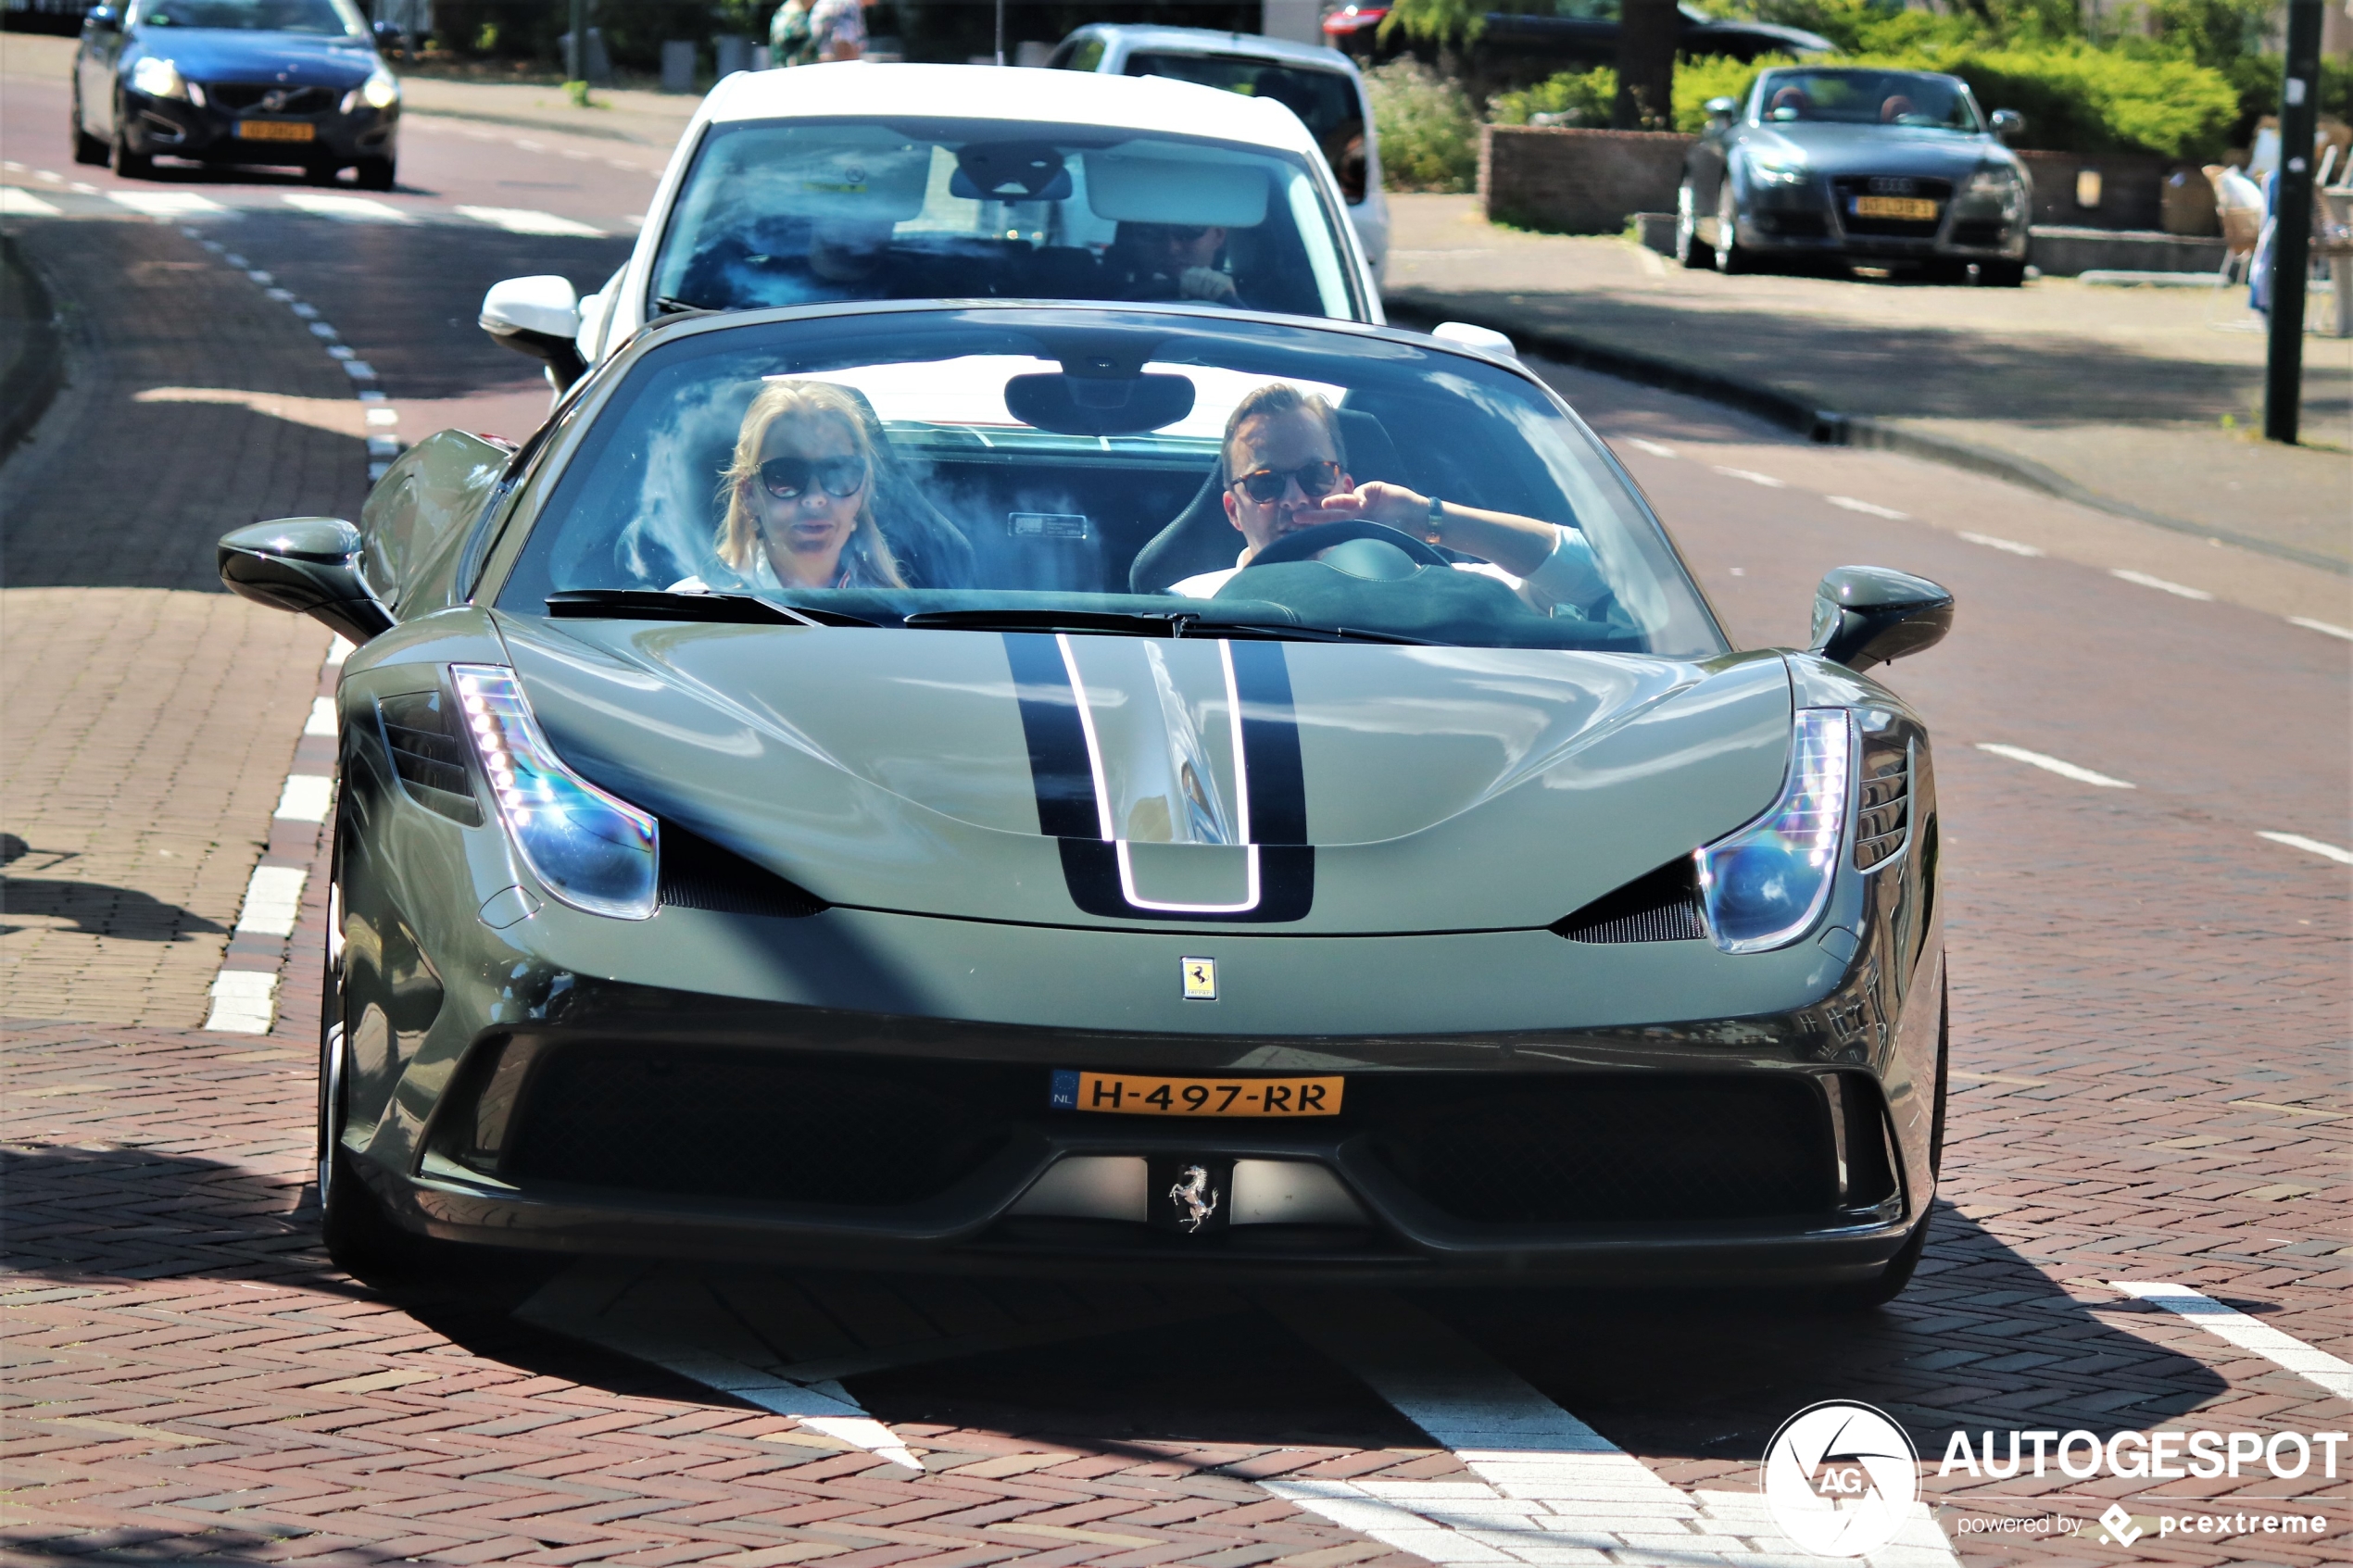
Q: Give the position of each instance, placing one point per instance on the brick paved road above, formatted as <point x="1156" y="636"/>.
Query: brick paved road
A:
<point x="2150" y="1033"/>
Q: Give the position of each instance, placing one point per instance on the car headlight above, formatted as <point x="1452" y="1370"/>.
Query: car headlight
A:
<point x="382" y="90"/>
<point x="1999" y="184"/>
<point x="591" y="850"/>
<point x="157" y="78"/>
<point x="1764" y="885"/>
<point x="1777" y="168"/>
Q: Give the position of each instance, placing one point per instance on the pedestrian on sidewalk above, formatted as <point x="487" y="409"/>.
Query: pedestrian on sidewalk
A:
<point x="789" y="43"/>
<point x="837" y="30"/>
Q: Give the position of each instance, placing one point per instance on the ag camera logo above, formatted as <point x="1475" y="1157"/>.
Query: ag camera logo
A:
<point x="1841" y="1478"/>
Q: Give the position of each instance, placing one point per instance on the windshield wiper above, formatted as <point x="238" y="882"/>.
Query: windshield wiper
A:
<point x="725" y="609"/>
<point x="1144" y="623"/>
<point x="670" y="305"/>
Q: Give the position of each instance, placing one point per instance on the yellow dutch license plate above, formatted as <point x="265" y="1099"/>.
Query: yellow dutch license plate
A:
<point x="1914" y="207"/>
<point x="276" y="131"/>
<point x="1127" y="1094"/>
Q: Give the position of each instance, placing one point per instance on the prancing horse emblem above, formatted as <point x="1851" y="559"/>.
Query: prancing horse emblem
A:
<point x="1193" y="1195"/>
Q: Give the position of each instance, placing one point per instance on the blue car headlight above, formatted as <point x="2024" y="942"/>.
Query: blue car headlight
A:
<point x="1765" y="884"/>
<point x="157" y="78"/>
<point x="594" y="852"/>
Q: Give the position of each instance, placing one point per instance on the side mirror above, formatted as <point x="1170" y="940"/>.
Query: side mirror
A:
<point x="1866" y="615"/>
<point x="309" y="565"/>
<point x="1487" y="340"/>
<point x="539" y="317"/>
<point x="102" y="19"/>
<point x="389" y="36"/>
<point x="2009" y="123"/>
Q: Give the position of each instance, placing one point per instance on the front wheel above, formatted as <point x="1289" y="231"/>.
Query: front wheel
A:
<point x="1731" y="258"/>
<point x="131" y="164"/>
<point x="2001" y="275"/>
<point x="86" y="148"/>
<point x="375" y="174"/>
<point x="1688" y="250"/>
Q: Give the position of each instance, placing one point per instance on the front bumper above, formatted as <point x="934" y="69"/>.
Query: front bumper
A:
<point x="1808" y="220"/>
<point x="207" y="134"/>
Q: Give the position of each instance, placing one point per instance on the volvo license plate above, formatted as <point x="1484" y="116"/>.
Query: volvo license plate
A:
<point x="1129" y="1094"/>
<point x="1917" y="208"/>
<point x="276" y="131"/>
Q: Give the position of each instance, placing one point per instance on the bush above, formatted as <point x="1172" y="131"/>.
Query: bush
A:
<point x="1429" y="137"/>
<point x="1574" y="98"/>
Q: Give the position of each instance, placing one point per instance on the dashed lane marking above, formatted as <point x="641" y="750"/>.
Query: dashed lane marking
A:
<point x="167" y="204"/>
<point x="17" y="203"/>
<point x="1868" y="508"/>
<point x="2311" y="846"/>
<point x="1550" y="1489"/>
<point x="323" y="720"/>
<point x="2053" y="764"/>
<point x="2228" y="1322"/>
<point x="1655" y="449"/>
<point x="307" y="797"/>
<point x="2159" y="584"/>
<point x="1752" y="477"/>
<point x="2321" y="626"/>
<point x="1992" y="543"/>
<point x="244" y="1001"/>
<point x="348" y="209"/>
<point x="273" y="900"/>
<point x="521" y="221"/>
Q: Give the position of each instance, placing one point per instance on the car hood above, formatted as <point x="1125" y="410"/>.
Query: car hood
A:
<point x="940" y="772"/>
<point x="1882" y="149"/>
<point x="294" y="59"/>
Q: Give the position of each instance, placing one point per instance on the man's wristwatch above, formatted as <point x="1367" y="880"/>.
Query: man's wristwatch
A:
<point x="1437" y="523"/>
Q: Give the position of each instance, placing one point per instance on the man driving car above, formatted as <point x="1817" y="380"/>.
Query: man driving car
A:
<point x="1177" y="262"/>
<point x="1285" y="470"/>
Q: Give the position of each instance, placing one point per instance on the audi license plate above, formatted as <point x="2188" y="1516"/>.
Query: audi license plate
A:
<point x="276" y="131"/>
<point x="1915" y="207"/>
<point x="1129" y="1094"/>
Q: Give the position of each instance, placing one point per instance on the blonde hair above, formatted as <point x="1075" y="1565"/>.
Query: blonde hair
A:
<point x="739" y="530"/>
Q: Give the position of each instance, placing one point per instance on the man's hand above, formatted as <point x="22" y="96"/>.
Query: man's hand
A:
<point x="1376" y="502"/>
<point x="1207" y="284"/>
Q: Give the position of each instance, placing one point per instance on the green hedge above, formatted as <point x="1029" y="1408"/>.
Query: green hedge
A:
<point x="1429" y="135"/>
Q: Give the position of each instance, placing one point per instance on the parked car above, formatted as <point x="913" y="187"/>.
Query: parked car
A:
<point x="287" y="82"/>
<point x="1322" y="86"/>
<point x="1361" y="907"/>
<point x="1858" y="165"/>
<point x="1574" y="34"/>
<point x="855" y="180"/>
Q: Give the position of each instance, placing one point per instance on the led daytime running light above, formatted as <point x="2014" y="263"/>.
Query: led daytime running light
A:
<point x="1764" y="887"/>
<point x="591" y="850"/>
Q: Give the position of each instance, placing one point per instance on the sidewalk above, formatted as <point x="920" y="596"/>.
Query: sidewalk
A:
<point x="649" y="120"/>
<point x="2111" y="396"/>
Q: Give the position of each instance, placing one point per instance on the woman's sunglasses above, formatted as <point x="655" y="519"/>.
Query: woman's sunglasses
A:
<point x="786" y="477"/>
<point x="1315" y="481"/>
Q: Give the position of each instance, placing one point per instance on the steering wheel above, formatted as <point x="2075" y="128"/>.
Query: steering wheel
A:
<point x="1324" y="535"/>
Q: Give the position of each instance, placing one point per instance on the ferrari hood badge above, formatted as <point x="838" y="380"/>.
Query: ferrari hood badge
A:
<point x="1195" y="1198"/>
<point x="1201" y="979"/>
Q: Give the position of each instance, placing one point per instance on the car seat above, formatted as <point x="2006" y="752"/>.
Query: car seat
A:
<point x="1203" y="538"/>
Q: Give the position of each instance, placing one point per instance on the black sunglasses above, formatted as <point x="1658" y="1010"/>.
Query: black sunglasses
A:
<point x="1155" y="233"/>
<point x="1315" y="481"/>
<point x="786" y="477"/>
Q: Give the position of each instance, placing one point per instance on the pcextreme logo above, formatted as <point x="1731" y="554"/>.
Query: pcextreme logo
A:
<point x="1841" y="1478"/>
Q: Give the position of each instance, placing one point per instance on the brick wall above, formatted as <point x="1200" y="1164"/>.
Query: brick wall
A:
<point x="1577" y="181"/>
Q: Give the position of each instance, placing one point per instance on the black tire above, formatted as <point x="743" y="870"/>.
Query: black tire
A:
<point x="376" y="175"/>
<point x="321" y="173"/>
<point x="1688" y="250"/>
<point x="128" y="164"/>
<point x="2001" y="275"/>
<point x="87" y="148"/>
<point x="1730" y="259"/>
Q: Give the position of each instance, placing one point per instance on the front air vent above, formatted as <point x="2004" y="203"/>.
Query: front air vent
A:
<point x="698" y="874"/>
<point x="1662" y="906"/>
<point x="1883" y="807"/>
<point x="429" y="753"/>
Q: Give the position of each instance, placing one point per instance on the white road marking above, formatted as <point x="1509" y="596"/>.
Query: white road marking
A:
<point x="243" y="1001"/>
<point x="2312" y="845"/>
<point x="16" y="202"/>
<point x="2064" y="769"/>
<point x="384" y="416"/>
<point x="323" y="720"/>
<point x="1550" y="1491"/>
<point x="273" y="900"/>
<point x="166" y="204"/>
<point x="12" y="166"/>
<point x="79" y="189"/>
<point x="51" y="175"/>
<point x="530" y="146"/>
<point x="264" y="279"/>
<point x="1868" y="508"/>
<point x="307" y="797"/>
<point x="358" y="370"/>
<point x="2311" y="625"/>
<point x="1766" y="479"/>
<point x="348" y="209"/>
<point x="324" y="333"/>
<point x="2247" y="1332"/>
<point x="2159" y="584"/>
<point x="1992" y="542"/>
<point x="1655" y="449"/>
<point x="522" y="220"/>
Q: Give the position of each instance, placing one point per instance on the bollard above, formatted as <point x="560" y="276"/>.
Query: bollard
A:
<point x="733" y="53"/>
<point x="677" y="66"/>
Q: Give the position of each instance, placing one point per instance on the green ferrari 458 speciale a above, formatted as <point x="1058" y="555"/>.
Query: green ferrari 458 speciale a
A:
<point x="1109" y="787"/>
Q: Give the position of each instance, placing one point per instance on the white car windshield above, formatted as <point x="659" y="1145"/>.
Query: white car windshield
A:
<point x="796" y="212"/>
<point x="1102" y="468"/>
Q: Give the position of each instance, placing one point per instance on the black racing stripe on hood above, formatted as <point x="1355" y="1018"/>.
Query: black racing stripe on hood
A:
<point x="1065" y="785"/>
<point x="1270" y="745"/>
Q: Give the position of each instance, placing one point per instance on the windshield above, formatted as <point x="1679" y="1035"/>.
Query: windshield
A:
<point x="1325" y="101"/>
<point x="1104" y="470"/>
<point x="807" y="211"/>
<point x="1867" y="97"/>
<point x="322" y="19"/>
